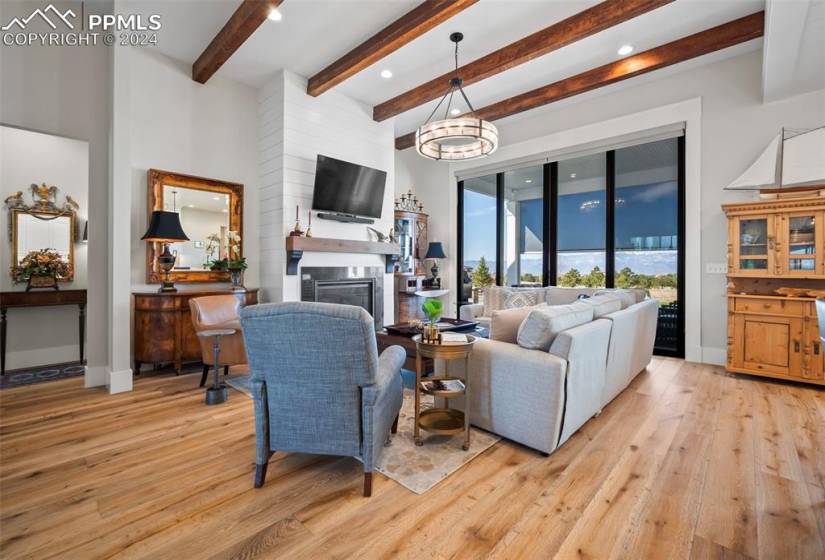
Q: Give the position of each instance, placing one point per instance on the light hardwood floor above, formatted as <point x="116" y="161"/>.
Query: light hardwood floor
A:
<point x="689" y="462"/>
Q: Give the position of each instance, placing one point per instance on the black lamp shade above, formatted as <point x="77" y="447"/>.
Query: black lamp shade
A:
<point x="435" y="251"/>
<point x="164" y="227"/>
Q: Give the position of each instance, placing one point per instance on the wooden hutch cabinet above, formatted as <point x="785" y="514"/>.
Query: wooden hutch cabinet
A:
<point x="776" y="269"/>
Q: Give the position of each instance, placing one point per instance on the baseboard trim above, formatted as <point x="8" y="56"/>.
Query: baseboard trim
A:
<point x="119" y="381"/>
<point x="95" y="376"/>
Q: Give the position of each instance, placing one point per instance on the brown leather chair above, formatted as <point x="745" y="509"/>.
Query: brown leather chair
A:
<point x="219" y="312"/>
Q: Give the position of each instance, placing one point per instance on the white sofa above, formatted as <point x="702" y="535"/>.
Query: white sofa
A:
<point x="551" y="295"/>
<point x="541" y="398"/>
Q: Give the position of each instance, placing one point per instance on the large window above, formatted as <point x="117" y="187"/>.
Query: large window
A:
<point x="523" y="226"/>
<point x="609" y="219"/>
<point x="581" y="226"/>
<point x="479" y="201"/>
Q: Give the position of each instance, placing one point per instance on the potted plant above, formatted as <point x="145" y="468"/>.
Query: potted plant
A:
<point x="41" y="269"/>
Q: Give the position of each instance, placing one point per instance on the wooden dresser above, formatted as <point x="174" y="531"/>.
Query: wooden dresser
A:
<point x="776" y="246"/>
<point x="163" y="328"/>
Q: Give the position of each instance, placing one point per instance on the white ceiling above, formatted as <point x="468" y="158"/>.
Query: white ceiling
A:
<point x="314" y="33"/>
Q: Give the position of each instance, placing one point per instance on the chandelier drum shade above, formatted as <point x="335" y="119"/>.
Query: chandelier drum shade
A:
<point x="460" y="138"/>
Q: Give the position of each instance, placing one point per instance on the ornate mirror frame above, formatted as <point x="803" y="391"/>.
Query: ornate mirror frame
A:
<point x="14" y="214"/>
<point x="156" y="179"/>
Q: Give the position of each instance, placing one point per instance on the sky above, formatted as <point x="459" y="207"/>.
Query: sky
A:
<point x="641" y="211"/>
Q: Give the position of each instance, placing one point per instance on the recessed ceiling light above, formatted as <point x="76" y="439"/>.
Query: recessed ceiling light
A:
<point x="455" y="111"/>
<point x="572" y="175"/>
<point x="190" y="205"/>
<point x="625" y="50"/>
<point x="528" y="180"/>
<point x="386" y="74"/>
<point x="275" y="15"/>
<point x="225" y="210"/>
<point x="216" y="198"/>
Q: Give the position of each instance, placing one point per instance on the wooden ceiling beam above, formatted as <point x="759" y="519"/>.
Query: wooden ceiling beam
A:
<point x="413" y="24"/>
<point x="243" y="23"/>
<point x="576" y="27"/>
<point x="708" y="41"/>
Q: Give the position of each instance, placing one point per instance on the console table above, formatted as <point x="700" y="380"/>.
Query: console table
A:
<point x="41" y="299"/>
<point x="163" y="328"/>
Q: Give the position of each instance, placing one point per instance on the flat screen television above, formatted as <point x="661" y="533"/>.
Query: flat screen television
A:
<point x="347" y="188"/>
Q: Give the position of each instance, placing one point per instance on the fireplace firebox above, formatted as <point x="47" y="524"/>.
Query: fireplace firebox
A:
<point x="362" y="286"/>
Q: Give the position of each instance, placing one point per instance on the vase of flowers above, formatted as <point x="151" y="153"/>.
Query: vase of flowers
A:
<point x="41" y="269"/>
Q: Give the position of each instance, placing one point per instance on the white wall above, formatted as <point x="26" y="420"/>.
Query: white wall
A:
<point x="293" y="129"/>
<point x="43" y="335"/>
<point x="65" y="91"/>
<point x="735" y="127"/>
<point x="177" y="124"/>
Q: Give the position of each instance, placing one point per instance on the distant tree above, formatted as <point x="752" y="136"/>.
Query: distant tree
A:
<point x="626" y="278"/>
<point x="530" y="278"/>
<point x="570" y="278"/>
<point x="595" y="279"/>
<point x="481" y="275"/>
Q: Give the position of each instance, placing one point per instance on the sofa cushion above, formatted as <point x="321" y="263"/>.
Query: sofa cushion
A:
<point x="555" y="295"/>
<point x="603" y="304"/>
<point x="541" y="326"/>
<point x="628" y="298"/>
<point x="505" y="323"/>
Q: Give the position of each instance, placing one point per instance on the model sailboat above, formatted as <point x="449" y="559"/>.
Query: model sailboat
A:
<point x="793" y="162"/>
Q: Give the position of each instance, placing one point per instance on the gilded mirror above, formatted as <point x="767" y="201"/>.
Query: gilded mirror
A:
<point x="209" y="211"/>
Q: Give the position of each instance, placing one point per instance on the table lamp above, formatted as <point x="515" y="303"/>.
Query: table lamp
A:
<point x="435" y="251"/>
<point x="164" y="227"/>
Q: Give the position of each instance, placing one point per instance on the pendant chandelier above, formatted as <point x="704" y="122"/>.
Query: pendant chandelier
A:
<point x="459" y="138"/>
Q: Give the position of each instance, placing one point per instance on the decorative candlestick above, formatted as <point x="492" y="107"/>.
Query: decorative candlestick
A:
<point x="309" y="224"/>
<point x="296" y="231"/>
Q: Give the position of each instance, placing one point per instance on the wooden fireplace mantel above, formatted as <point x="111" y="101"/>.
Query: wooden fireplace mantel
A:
<point x="295" y="247"/>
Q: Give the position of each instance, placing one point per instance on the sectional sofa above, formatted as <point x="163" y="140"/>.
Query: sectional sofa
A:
<point x="550" y="366"/>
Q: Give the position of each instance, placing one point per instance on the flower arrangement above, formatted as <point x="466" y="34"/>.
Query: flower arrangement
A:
<point x="45" y="262"/>
<point x="234" y="261"/>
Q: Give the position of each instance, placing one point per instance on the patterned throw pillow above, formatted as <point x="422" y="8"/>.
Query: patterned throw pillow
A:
<point x="521" y="299"/>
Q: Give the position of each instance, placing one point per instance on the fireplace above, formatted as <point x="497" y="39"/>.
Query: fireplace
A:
<point x="362" y="286"/>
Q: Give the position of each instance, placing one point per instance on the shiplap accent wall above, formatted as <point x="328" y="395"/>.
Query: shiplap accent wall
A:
<point x="293" y="129"/>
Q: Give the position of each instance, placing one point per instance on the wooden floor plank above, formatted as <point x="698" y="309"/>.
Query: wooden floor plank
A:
<point x="688" y="462"/>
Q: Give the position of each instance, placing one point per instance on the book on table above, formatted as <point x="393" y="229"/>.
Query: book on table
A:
<point x="453" y="338"/>
<point x="445" y="385"/>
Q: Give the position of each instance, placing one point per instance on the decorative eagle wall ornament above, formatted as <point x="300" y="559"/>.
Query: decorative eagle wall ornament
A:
<point x="44" y="197"/>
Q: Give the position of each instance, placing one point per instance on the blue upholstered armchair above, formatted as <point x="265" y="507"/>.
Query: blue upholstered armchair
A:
<point x="318" y="383"/>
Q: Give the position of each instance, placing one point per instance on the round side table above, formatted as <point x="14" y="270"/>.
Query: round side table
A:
<point x="217" y="393"/>
<point x="443" y="420"/>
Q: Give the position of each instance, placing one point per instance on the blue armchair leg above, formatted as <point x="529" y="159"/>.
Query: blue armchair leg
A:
<point x="367" y="484"/>
<point x="260" y="472"/>
<point x="394" y="428"/>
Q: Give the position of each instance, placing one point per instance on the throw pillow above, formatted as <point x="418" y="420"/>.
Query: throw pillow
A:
<point x="521" y="299"/>
<point x="603" y="304"/>
<point x="628" y="298"/>
<point x="505" y="323"/>
<point x="543" y="324"/>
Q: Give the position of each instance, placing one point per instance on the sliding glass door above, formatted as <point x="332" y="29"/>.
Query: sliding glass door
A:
<point x="581" y="225"/>
<point x="479" y="232"/>
<point x="523" y="227"/>
<point x="607" y="219"/>
<point x="646" y="234"/>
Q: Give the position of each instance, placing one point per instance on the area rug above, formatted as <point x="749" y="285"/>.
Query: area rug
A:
<point x="41" y="374"/>
<point x="416" y="468"/>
